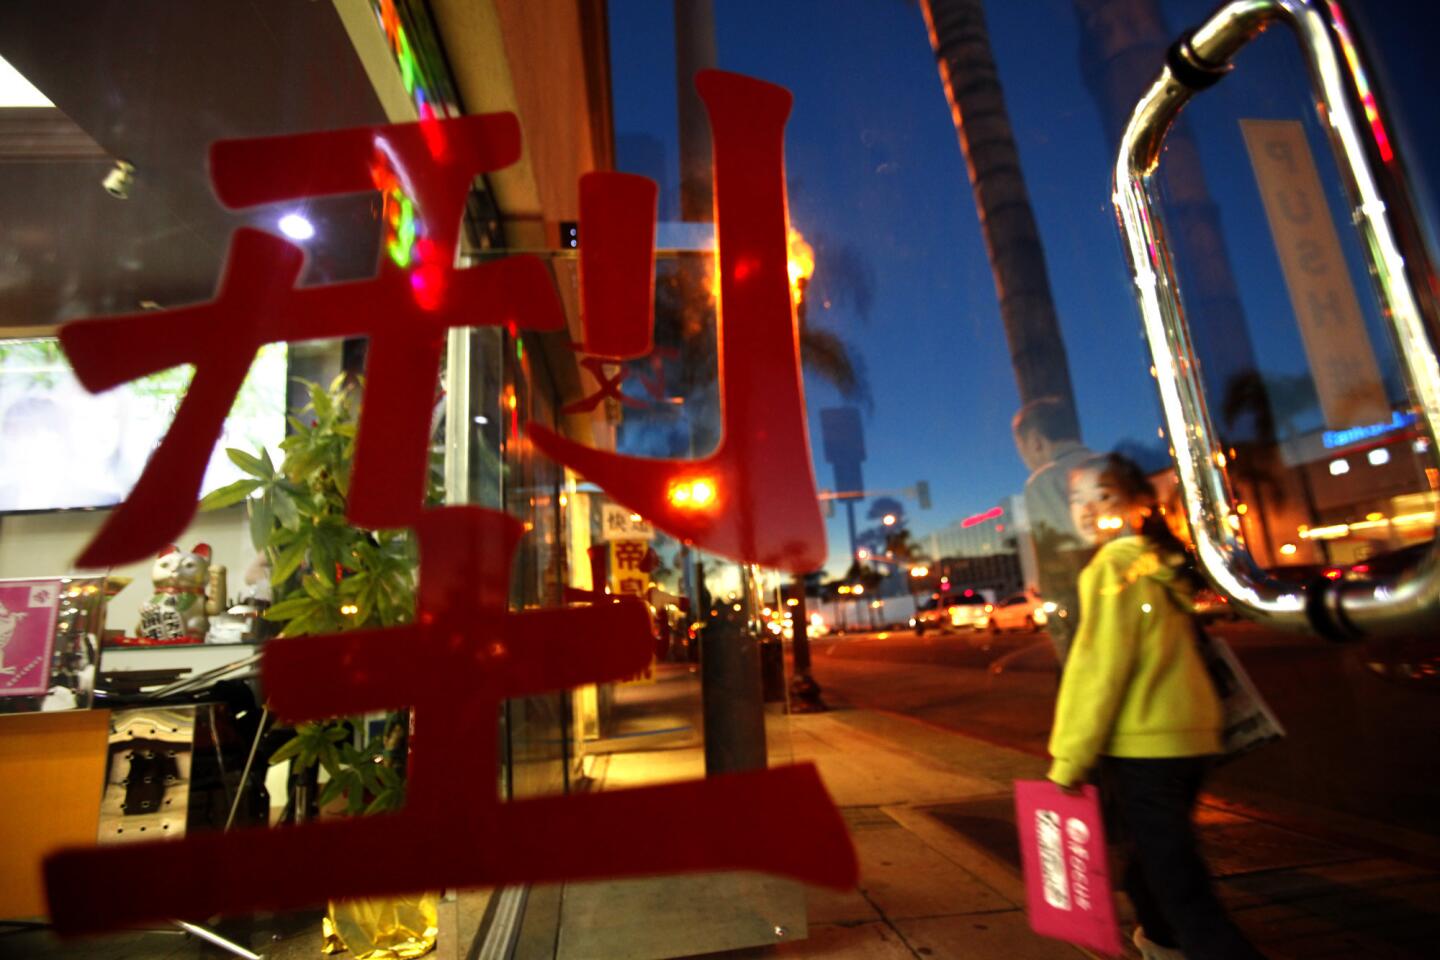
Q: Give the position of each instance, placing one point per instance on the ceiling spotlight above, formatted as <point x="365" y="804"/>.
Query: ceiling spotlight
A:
<point x="296" y="227"/>
<point x="118" y="181"/>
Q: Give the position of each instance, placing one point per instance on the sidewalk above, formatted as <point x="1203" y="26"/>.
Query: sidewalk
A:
<point x="931" y="816"/>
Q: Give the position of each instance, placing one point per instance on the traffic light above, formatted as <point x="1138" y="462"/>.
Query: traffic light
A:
<point x="922" y="493"/>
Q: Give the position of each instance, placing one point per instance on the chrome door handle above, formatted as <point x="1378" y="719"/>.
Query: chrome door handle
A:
<point x="1398" y="266"/>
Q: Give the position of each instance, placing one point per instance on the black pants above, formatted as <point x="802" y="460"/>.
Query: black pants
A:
<point x="1150" y="804"/>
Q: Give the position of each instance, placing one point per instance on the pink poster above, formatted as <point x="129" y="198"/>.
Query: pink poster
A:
<point x="1067" y="876"/>
<point x="27" y="635"/>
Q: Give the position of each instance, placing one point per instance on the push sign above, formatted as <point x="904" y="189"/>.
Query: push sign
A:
<point x="1067" y="881"/>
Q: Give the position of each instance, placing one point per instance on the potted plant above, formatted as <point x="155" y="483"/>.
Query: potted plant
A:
<point x="327" y="577"/>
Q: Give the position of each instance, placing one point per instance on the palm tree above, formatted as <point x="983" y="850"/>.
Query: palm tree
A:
<point x="685" y="301"/>
<point x="1017" y="260"/>
<point x="907" y="554"/>
<point x="1272" y="405"/>
<point x="684" y="311"/>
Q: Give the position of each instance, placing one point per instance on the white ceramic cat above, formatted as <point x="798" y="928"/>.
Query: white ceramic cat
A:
<point x="177" y="608"/>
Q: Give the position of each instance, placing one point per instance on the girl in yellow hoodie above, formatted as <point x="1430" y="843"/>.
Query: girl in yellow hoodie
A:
<point x="1137" y="704"/>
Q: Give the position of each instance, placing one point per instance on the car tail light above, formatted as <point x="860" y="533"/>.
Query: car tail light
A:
<point x="1333" y="573"/>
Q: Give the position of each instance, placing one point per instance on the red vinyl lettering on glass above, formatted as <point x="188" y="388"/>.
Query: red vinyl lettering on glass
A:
<point x="404" y="311"/>
<point x="466" y="652"/>
<point x="617" y="264"/>
<point x="753" y="499"/>
<point x="464" y="655"/>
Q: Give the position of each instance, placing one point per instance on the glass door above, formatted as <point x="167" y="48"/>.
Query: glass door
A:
<point x="971" y="343"/>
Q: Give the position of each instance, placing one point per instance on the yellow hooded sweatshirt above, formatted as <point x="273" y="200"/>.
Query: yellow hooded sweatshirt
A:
<point x="1134" y="683"/>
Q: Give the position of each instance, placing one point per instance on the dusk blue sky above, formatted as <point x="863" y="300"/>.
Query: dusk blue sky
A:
<point x="877" y="179"/>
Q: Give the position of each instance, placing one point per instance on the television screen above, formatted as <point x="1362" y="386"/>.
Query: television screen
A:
<point x="62" y="447"/>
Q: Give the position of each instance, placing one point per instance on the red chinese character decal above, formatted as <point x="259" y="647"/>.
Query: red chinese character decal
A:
<point x="617" y="264"/>
<point x="617" y="269"/>
<point x="404" y="311"/>
<point x="608" y="374"/>
<point x="466" y="653"/>
<point x="753" y="499"/>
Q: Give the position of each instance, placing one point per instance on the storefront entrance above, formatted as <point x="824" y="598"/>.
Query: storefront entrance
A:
<point x="1088" y="234"/>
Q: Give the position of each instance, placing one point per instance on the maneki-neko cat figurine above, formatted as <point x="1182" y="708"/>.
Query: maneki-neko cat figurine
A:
<point x="177" y="609"/>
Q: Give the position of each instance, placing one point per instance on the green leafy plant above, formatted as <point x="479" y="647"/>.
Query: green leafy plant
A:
<point x="328" y="577"/>
<point x="369" y="777"/>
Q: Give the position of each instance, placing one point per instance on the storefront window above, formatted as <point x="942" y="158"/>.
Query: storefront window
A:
<point x="538" y="726"/>
<point x="973" y="352"/>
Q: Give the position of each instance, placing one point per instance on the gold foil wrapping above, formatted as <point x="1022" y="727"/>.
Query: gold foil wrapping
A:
<point x="386" y="928"/>
<point x="217" y="591"/>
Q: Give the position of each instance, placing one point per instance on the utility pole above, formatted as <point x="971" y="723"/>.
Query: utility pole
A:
<point x="850" y="517"/>
<point x="732" y="690"/>
<point x="804" y="691"/>
<point x="731" y="686"/>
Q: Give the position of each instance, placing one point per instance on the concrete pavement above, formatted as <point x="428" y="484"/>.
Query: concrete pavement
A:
<point x="929" y="810"/>
<point x="930" y="814"/>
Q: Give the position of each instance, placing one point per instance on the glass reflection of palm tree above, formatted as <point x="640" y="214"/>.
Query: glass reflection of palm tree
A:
<point x="908" y="555"/>
<point x="968" y="73"/>
<point x="1122" y="47"/>
<point x="1272" y="405"/>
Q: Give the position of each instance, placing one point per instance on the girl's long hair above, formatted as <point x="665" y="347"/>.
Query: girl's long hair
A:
<point x="1125" y="477"/>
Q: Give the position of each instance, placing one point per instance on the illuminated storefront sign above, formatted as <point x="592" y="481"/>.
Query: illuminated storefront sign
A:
<point x="1343" y="438"/>
<point x="992" y="514"/>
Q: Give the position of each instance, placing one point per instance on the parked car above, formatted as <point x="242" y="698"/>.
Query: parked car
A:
<point x="1020" y="612"/>
<point x="1209" y="605"/>
<point x="1381" y="566"/>
<point x="1377" y="567"/>
<point x="951" y="611"/>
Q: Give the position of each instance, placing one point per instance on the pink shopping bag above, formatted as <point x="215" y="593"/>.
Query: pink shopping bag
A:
<point x="1067" y="876"/>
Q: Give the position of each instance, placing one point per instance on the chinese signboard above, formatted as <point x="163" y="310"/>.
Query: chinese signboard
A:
<point x="628" y="574"/>
<point x="619" y="523"/>
<point x="630" y="564"/>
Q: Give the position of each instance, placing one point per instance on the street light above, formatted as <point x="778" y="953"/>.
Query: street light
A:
<point x="888" y="520"/>
<point x="695" y="494"/>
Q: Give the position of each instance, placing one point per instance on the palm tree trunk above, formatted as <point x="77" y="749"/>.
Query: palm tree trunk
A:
<point x="1122" y="47"/>
<point x="694" y="51"/>
<point x="1017" y="260"/>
